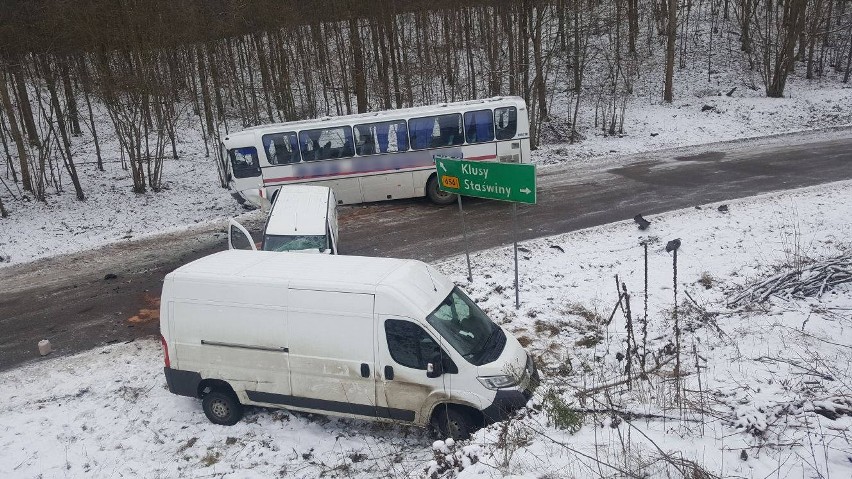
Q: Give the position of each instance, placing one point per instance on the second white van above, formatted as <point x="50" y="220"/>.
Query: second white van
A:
<point x="302" y="218"/>
<point x="371" y="338"/>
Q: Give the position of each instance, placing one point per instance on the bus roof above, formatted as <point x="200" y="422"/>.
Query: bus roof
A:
<point x="376" y="116"/>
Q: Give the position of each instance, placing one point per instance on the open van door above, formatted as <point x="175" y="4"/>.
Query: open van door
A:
<point x="239" y="237"/>
<point x="331" y="218"/>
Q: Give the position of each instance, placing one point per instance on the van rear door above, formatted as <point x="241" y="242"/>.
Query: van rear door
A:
<point x="332" y="351"/>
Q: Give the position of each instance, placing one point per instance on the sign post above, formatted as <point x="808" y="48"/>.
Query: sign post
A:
<point x="512" y="182"/>
<point x="466" y="244"/>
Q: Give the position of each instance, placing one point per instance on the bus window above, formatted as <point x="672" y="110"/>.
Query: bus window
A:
<point x="326" y="143"/>
<point x="281" y="148"/>
<point x="244" y="162"/>
<point x="436" y="131"/>
<point x="479" y="126"/>
<point x="506" y="120"/>
<point x="384" y="137"/>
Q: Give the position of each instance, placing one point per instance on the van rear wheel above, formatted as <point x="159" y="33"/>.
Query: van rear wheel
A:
<point x="450" y="422"/>
<point x="222" y="408"/>
<point x="435" y="194"/>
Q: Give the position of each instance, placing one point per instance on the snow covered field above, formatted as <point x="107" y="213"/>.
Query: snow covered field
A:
<point x="773" y="398"/>
<point x="112" y="213"/>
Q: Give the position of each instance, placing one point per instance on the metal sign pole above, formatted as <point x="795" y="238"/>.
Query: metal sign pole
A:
<point x="466" y="245"/>
<point x="515" y="241"/>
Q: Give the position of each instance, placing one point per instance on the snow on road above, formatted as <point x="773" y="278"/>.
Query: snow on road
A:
<point x="768" y="374"/>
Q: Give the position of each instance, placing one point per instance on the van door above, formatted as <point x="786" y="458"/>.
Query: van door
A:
<point x="404" y="388"/>
<point x="239" y="237"/>
<point x="332" y="357"/>
<point x="331" y="218"/>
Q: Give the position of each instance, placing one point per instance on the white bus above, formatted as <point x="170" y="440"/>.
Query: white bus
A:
<point x="375" y="156"/>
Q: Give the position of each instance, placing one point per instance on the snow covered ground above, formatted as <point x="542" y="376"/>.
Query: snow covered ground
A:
<point x="112" y="213"/>
<point x="773" y="399"/>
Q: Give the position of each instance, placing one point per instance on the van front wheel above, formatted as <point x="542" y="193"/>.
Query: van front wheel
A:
<point x="222" y="408"/>
<point x="435" y="195"/>
<point x="450" y="422"/>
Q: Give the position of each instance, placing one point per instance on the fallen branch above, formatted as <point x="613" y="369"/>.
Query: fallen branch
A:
<point x="813" y="280"/>
<point x="587" y="392"/>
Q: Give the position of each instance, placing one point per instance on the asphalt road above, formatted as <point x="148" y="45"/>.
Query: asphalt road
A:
<point x="83" y="300"/>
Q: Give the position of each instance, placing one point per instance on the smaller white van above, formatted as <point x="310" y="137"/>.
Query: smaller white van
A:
<point x="371" y="338"/>
<point x="302" y="218"/>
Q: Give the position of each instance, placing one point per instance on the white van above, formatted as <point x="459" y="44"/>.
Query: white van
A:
<point x="371" y="338"/>
<point x="302" y="218"/>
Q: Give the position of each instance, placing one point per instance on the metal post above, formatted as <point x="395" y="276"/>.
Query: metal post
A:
<point x="466" y="245"/>
<point x="515" y="241"/>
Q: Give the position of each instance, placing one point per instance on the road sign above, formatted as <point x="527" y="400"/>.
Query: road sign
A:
<point x="513" y="182"/>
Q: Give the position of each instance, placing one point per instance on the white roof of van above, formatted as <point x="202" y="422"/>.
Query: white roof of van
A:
<point x="350" y="272"/>
<point x="299" y="210"/>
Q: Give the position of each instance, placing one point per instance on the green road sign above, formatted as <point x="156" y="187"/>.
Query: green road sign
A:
<point x="514" y="182"/>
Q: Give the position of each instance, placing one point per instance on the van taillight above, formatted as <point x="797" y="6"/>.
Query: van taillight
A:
<point x="165" y="351"/>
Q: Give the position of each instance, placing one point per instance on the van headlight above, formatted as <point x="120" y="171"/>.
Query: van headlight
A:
<point x="498" y="382"/>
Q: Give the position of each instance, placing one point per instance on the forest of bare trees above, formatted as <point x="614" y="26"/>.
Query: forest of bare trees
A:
<point x="141" y="71"/>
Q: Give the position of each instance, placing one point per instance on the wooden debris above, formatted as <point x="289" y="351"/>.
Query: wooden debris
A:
<point x="813" y="280"/>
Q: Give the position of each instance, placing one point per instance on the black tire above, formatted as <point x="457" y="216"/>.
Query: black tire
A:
<point x="450" y="422"/>
<point x="222" y="408"/>
<point x="435" y="194"/>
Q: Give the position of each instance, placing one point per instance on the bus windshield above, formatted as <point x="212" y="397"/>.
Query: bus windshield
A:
<point x="294" y="243"/>
<point x="244" y="162"/>
<point x="467" y="328"/>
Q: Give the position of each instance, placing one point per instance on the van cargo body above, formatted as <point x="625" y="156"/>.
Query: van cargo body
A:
<point x="372" y="338"/>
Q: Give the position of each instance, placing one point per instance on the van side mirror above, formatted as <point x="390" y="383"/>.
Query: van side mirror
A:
<point x="435" y="368"/>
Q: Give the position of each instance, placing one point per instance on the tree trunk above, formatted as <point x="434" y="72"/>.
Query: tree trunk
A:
<point x="671" y="34"/>
<point x="265" y="80"/>
<point x="745" y="25"/>
<point x="23" y="101"/>
<point x="85" y="81"/>
<point x="788" y="35"/>
<point x="9" y="163"/>
<point x="50" y="80"/>
<point x="359" y="71"/>
<point x="633" y="25"/>
<point x="848" y="71"/>
<point x="70" y="101"/>
<point x="16" y="135"/>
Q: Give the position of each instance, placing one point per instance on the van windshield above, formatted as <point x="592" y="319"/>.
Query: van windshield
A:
<point x="294" y="242"/>
<point x="467" y="328"/>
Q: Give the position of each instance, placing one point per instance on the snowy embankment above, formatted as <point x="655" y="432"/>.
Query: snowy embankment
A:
<point x="773" y="397"/>
<point x="192" y="196"/>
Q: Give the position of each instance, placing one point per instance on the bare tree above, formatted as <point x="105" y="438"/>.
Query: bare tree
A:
<point x="671" y="36"/>
<point x="17" y="137"/>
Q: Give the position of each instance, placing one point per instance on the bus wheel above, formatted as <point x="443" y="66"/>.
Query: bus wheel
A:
<point x="435" y="194"/>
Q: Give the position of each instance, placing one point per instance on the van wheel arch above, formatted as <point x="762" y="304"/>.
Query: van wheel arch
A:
<point x="474" y="416"/>
<point x="209" y="385"/>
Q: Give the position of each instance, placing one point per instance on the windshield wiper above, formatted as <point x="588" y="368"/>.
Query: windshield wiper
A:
<point x="488" y="345"/>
